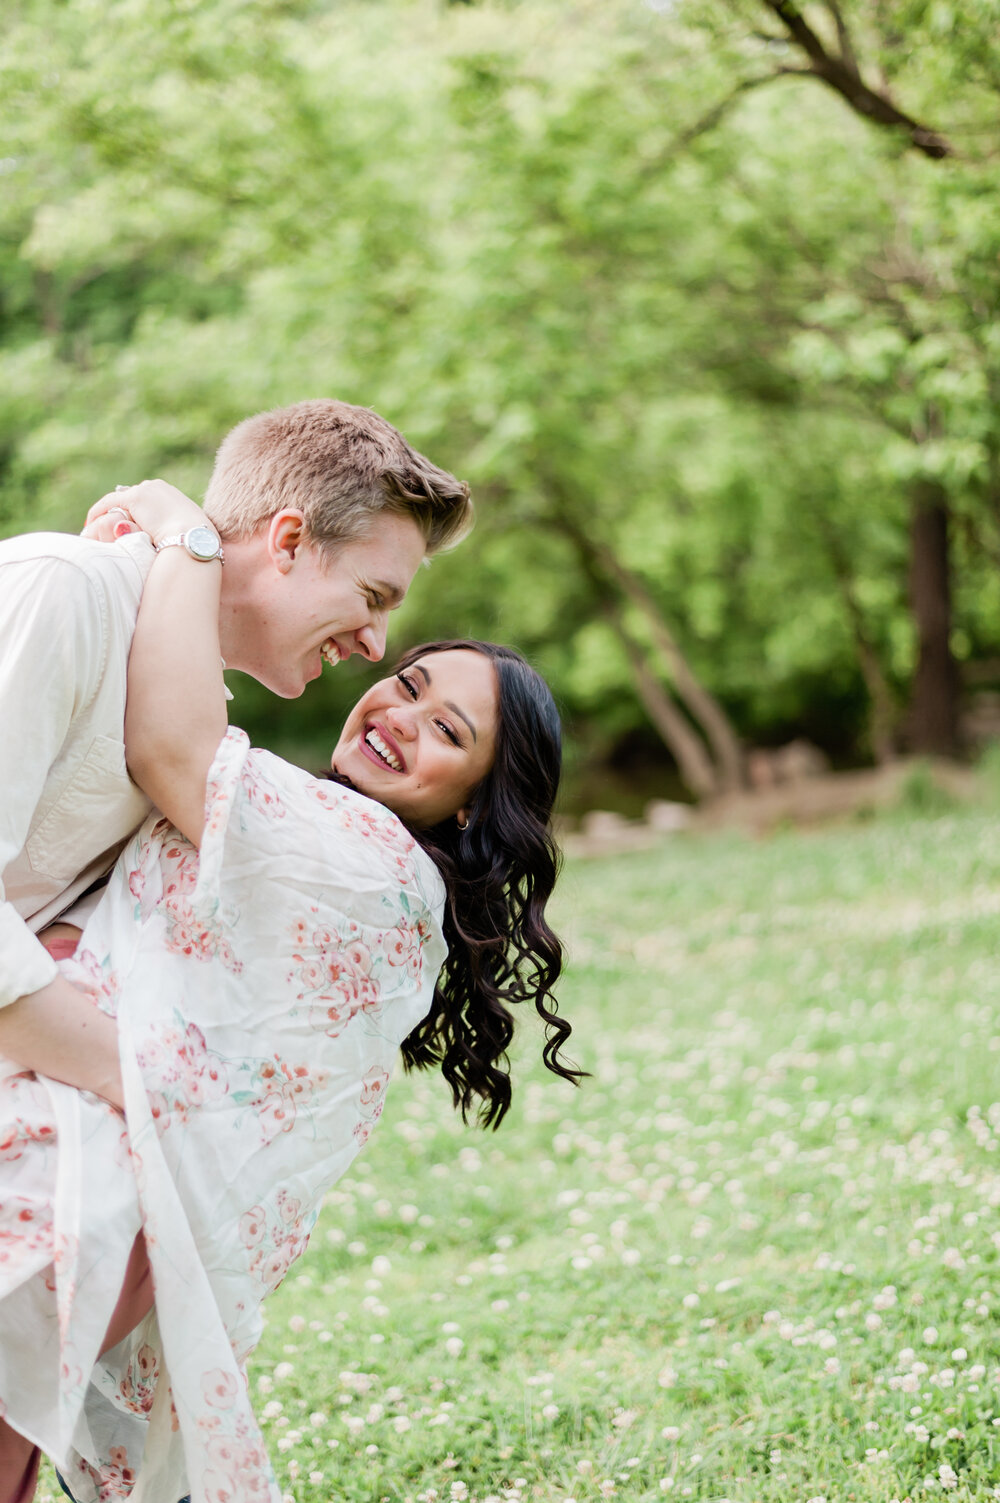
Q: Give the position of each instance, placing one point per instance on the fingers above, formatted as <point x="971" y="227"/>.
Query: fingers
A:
<point x="114" y="524"/>
<point x="156" y="506"/>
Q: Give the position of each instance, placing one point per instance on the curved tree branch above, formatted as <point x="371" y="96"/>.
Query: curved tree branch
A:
<point x="840" y="72"/>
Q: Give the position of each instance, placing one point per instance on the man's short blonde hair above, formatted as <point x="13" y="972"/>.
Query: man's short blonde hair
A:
<point x="342" y="467"/>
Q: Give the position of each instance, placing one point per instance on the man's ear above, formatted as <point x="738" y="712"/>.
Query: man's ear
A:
<point x="286" y="533"/>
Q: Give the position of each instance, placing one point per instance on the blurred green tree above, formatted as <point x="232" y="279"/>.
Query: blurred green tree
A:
<point x="701" y="298"/>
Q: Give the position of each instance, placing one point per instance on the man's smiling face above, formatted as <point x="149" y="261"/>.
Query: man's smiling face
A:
<point x="316" y="606"/>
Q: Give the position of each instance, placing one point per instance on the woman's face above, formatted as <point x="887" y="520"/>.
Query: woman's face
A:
<point x="422" y="741"/>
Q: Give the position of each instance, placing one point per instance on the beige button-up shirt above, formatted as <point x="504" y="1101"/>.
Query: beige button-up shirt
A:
<point x="68" y="608"/>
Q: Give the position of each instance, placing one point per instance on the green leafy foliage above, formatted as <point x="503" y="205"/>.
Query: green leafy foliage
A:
<point x="585" y="257"/>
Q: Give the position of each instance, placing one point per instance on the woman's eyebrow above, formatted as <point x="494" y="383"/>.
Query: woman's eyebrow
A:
<point x="448" y="703"/>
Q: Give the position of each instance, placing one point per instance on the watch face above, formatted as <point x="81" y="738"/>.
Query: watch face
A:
<point x="202" y="542"/>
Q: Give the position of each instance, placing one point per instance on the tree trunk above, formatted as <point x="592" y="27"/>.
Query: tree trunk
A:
<point x="679" y="736"/>
<point x="881" y="716"/>
<point x="604" y="569"/>
<point x="933" y="715"/>
<point x="881" y="710"/>
<point x="702" y="705"/>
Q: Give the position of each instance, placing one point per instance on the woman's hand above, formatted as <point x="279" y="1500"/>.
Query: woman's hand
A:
<point x="111" y="526"/>
<point x="153" y="506"/>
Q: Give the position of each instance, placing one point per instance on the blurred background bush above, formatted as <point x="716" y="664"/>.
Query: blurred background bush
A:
<point x="701" y="296"/>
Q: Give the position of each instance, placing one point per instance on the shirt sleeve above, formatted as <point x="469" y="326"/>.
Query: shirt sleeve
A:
<point x="53" y="644"/>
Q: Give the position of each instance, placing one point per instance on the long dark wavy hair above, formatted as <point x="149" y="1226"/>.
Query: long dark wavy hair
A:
<point x="498" y="872"/>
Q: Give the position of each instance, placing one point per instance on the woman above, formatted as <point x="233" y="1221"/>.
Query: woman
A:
<point x="266" y="947"/>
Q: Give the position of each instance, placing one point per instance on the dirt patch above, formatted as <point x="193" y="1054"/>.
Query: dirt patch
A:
<point x="814" y="800"/>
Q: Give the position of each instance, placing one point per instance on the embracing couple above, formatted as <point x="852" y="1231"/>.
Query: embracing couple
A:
<point x="194" y="1048"/>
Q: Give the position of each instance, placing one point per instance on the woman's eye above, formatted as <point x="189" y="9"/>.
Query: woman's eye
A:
<point x="407" y="684"/>
<point x="449" y="732"/>
<point x="376" y="601"/>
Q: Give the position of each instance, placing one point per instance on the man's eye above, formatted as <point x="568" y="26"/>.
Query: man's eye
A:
<point x="408" y="684"/>
<point x="376" y="601"/>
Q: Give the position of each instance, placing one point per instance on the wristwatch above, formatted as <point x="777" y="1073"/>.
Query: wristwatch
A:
<point x="203" y="543"/>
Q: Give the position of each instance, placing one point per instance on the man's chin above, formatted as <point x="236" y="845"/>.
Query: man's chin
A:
<point x="284" y="688"/>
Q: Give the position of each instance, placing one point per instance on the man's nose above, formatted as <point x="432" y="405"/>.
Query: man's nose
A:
<point x="370" y="641"/>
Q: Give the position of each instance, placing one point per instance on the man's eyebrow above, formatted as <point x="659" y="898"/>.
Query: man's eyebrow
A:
<point x="448" y="703"/>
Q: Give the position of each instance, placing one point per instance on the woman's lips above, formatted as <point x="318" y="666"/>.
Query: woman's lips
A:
<point x="390" y="744"/>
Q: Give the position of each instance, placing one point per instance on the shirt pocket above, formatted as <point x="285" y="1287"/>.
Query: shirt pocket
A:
<point x="95" y="811"/>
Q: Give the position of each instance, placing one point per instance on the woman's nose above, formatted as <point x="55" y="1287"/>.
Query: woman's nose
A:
<point x="401" y="721"/>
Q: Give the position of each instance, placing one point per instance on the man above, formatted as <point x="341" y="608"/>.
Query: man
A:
<point x="324" y="513"/>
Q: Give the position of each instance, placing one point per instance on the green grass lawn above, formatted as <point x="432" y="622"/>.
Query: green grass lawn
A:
<point x="755" y="1257"/>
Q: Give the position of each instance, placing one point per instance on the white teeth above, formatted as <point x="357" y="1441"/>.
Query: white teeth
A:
<point x="331" y="653"/>
<point x="375" y="741"/>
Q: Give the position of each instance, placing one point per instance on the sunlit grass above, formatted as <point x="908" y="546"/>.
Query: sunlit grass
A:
<point x="754" y="1258"/>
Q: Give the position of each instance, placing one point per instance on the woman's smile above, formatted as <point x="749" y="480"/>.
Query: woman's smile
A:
<point x="423" y="740"/>
<point x="377" y="744"/>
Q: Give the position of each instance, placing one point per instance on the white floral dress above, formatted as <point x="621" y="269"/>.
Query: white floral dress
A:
<point x="262" y="990"/>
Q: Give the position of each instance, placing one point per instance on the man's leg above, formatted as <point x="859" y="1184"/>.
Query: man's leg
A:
<point x="19" y="1461"/>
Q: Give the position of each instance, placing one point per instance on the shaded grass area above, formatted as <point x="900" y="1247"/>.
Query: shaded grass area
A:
<point x="753" y="1258"/>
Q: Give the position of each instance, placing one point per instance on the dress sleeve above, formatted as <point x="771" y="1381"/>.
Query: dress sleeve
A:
<point x="54" y="636"/>
<point x="222" y="791"/>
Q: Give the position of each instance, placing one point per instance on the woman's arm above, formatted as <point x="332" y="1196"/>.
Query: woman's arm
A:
<point x="175" y="713"/>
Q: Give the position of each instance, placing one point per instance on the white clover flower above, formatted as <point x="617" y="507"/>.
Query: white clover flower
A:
<point x="670" y="1432"/>
<point x="550" y="1411"/>
<point x="297" y="1323"/>
<point x="454" y="1346"/>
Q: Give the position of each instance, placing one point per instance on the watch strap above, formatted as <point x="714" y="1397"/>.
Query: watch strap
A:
<point x="180" y="540"/>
